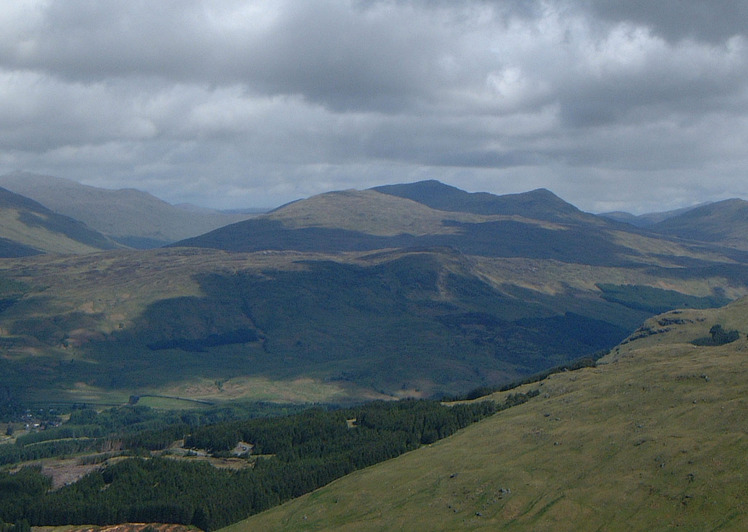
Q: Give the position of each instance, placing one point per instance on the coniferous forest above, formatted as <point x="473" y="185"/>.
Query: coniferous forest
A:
<point x="290" y="455"/>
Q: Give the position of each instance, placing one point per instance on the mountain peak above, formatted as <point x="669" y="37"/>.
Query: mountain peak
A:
<point x="540" y="203"/>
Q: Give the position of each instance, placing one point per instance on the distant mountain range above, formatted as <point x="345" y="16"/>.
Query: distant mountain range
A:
<point x="418" y="289"/>
<point x="540" y="204"/>
<point x="722" y="222"/>
<point x="429" y="214"/>
<point x="336" y="222"/>
<point x="648" y="219"/>
<point x="131" y="217"/>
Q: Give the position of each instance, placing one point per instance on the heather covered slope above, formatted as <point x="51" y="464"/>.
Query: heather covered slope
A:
<point x="651" y="440"/>
<point x="129" y="216"/>
<point x="28" y="228"/>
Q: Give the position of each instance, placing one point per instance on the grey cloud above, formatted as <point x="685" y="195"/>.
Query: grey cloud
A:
<point x="679" y="19"/>
<point x="378" y="57"/>
<point x="196" y="100"/>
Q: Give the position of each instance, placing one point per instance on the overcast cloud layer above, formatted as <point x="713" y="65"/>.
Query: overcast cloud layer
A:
<point x="635" y="105"/>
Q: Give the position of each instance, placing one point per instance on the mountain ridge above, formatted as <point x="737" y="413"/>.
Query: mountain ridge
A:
<point x="724" y="222"/>
<point x="536" y="224"/>
<point x="539" y="203"/>
<point x="648" y="219"/>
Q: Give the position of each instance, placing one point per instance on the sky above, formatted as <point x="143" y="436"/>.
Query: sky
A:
<point x="633" y="105"/>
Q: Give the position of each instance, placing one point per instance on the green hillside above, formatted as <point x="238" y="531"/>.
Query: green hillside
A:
<point x="653" y="439"/>
<point x="413" y="291"/>
<point x="29" y="228"/>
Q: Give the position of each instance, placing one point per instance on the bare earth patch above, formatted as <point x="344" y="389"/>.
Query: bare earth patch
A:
<point x="126" y="527"/>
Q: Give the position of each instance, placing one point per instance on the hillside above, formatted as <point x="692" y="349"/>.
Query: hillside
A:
<point x="651" y="440"/>
<point x="129" y="216"/>
<point x="536" y="225"/>
<point x="415" y="323"/>
<point x="648" y="219"/>
<point x="28" y="228"/>
<point x="348" y="295"/>
<point x="217" y="326"/>
<point x="724" y="222"/>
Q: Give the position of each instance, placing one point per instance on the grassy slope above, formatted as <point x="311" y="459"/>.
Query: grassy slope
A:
<point x="655" y="439"/>
<point x="364" y="211"/>
<point x="367" y="220"/>
<point x="40" y="238"/>
<point x="374" y="213"/>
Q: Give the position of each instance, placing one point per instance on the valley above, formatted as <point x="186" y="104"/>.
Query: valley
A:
<point x="604" y="338"/>
<point x="654" y="437"/>
<point x="447" y="290"/>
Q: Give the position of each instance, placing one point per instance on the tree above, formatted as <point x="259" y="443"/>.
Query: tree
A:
<point x="721" y="337"/>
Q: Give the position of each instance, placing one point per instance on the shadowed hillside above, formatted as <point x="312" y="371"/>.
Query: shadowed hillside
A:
<point x="648" y="219"/>
<point x="540" y="204"/>
<point x="397" y="323"/>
